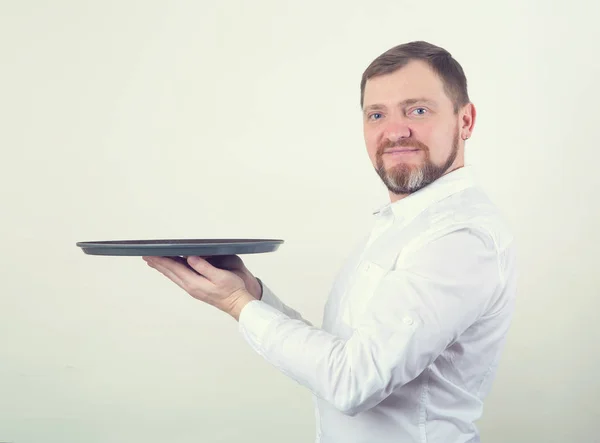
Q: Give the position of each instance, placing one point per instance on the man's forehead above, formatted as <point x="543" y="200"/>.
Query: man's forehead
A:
<point x="405" y="86"/>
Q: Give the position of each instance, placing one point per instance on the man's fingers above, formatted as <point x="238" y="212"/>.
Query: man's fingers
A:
<point x="167" y="273"/>
<point x="227" y="262"/>
<point x="183" y="261"/>
<point x="204" y="267"/>
<point x="181" y="273"/>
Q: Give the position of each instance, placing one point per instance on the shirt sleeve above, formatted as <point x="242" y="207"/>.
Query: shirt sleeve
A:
<point x="272" y="300"/>
<point x="416" y="311"/>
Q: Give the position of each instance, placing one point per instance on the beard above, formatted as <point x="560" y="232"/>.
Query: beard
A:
<point x="406" y="178"/>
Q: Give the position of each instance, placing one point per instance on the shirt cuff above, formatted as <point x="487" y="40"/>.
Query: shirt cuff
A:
<point x="255" y="320"/>
<point x="269" y="298"/>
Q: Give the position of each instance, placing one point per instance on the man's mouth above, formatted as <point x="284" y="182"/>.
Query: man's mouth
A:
<point x="401" y="151"/>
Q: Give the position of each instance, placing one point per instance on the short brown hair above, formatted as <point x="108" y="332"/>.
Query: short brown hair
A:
<point x="440" y="60"/>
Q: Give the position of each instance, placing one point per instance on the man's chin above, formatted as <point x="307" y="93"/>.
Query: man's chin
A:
<point x="401" y="187"/>
<point x="407" y="182"/>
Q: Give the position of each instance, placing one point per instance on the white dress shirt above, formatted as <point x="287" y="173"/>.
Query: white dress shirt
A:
<point x="413" y="327"/>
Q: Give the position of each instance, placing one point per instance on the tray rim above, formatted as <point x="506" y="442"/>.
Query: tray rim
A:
<point x="141" y="244"/>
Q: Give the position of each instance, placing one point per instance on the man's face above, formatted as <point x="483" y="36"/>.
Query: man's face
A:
<point x="412" y="134"/>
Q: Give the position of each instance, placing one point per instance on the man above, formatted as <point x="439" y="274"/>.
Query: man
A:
<point x="417" y="317"/>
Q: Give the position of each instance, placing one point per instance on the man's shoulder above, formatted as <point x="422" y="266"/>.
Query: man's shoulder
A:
<point x="470" y="209"/>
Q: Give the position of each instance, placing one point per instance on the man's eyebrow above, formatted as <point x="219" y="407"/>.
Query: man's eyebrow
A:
<point x="403" y="103"/>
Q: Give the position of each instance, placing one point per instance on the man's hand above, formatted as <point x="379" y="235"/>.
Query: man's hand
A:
<point x="235" y="264"/>
<point x="219" y="287"/>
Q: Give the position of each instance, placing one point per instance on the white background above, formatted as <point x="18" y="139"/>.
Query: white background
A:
<point x="238" y="119"/>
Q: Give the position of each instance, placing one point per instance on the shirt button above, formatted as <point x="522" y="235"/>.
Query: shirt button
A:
<point x="408" y="321"/>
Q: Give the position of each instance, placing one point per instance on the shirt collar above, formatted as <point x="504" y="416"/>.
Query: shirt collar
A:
<point x="448" y="184"/>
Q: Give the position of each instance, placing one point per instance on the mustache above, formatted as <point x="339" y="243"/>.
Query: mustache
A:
<point x="402" y="143"/>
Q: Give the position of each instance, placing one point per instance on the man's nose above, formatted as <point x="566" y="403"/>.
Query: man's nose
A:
<point x="396" y="131"/>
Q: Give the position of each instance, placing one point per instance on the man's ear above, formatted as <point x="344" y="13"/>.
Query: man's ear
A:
<point x="468" y="115"/>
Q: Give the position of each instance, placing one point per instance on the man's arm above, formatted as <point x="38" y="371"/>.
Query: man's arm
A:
<point x="267" y="296"/>
<point x="415" y="313"/>
<point x="271" y="299"/>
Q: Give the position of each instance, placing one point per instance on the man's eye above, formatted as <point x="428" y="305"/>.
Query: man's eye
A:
<point x="420" y="111"/>
<point x="375" y="116"/>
